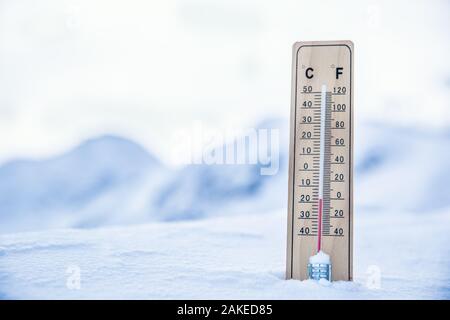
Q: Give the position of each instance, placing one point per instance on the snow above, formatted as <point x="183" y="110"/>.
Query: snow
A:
<point x="236" y="257"/>
<point x="320" y="258"/>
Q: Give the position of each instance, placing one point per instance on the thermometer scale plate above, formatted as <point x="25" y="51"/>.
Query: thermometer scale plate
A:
<point x="320" y="204"/>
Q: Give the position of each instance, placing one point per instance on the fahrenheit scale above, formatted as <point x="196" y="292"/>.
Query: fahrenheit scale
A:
<point x="320" y="202"/>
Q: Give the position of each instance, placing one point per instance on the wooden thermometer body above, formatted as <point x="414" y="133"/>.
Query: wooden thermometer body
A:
<point x="321" y="70"/>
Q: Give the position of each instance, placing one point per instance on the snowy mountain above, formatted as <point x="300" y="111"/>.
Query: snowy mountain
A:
<point x="395" y="168"/>
<point x="70" y="190"/>
<point x="211" y="190"/>
<point x="402" y="168"/>
<point x="113" y="181"/>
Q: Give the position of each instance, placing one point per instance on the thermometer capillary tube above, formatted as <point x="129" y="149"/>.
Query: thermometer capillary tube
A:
<point x="323" y="114"/>
<point x="319" y="266"/>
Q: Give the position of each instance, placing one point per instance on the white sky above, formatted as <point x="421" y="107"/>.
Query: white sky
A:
<point x="75" y="69"/>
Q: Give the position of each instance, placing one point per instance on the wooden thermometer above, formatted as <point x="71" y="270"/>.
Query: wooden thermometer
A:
<point x="320" y="208"/>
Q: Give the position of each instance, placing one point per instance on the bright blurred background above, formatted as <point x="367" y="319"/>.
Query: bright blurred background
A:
<point x="75" y="69"/>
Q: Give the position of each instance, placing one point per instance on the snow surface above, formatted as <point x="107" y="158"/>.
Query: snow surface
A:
<point x="225" y="257"/>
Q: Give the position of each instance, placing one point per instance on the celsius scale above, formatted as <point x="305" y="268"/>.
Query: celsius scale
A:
<point x="320" y="207"/>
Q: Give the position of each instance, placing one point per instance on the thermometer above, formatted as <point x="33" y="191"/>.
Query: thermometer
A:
<point x="320" y="201"/>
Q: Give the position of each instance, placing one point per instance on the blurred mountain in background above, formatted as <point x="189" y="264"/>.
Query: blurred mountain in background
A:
<point x="81" y="188"/>
<point x="402" y="168"/>
<point x="111" y="180"/>
<point x="200" y="190"/>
